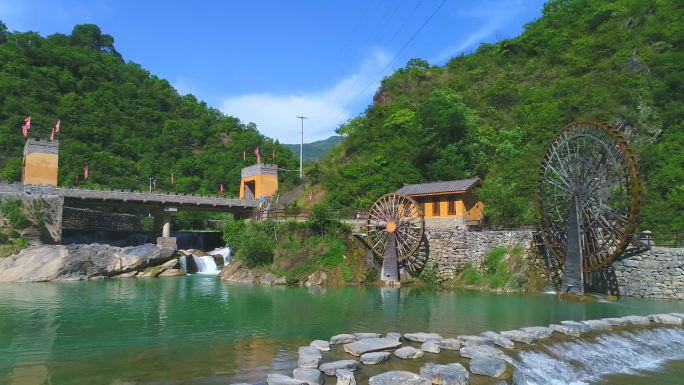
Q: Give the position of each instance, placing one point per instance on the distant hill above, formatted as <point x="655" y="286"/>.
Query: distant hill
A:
<point x="315" y="150"/>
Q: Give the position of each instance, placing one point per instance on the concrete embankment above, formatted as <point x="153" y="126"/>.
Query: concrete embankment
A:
<point x="567" y="352"/>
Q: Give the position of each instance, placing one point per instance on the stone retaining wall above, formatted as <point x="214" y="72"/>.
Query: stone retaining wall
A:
<point x="88" y="219"/>
<point x="657" y="273"/>
<point x="451" y="249"/>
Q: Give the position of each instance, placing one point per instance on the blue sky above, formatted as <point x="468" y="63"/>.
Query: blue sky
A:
<point x="268" y="61"/>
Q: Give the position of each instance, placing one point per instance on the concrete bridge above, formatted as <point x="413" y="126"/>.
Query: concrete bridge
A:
<point x="160" y="205"/>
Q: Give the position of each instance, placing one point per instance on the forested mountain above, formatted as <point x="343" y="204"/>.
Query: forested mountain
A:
<point x="315" y="150"/>
<point x="491" y="113"/>
<point x="125" y="123"/>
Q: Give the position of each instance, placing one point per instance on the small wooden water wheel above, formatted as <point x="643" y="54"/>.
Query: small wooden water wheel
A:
<point x="394" y="231"/>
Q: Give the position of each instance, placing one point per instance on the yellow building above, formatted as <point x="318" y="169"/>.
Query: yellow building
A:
<point x="41" y="162"/>
<point x="450" y="202"/>
<point x="258" y="181"/>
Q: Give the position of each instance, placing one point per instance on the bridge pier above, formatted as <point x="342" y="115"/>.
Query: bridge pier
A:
<point x="162" y="227"/>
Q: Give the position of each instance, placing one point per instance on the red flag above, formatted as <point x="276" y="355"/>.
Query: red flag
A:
<point x="85" y="171"/>
<point x="57" y="126"/>
<point x="27" y="125"/>
<point x="52" y="135"/>
<point x="173" y="180"/>
<point x="310" y="196"/>
<point x="222" y="189"/>
<point x="256" y="151"/>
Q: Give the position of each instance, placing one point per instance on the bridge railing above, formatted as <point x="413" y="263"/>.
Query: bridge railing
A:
<point x="303" y="214"/>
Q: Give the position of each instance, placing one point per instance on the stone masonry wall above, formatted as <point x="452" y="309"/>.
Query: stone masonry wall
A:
<point x="452" y="248"/>
<point x="89" y="219"/>
<point x="657" y="273"/>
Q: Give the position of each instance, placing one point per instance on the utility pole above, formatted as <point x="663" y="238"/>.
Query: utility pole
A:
<point x="150" y="179"/>
<point x="301" y="150"/>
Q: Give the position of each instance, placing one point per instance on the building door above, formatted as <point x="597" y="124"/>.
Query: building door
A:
<point x="250" y="190"/>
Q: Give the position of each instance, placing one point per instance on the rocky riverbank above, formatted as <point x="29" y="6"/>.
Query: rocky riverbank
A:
<point x="80" y="262"/>
<point x="488" y="358"/>
<point x="237" y="271"/>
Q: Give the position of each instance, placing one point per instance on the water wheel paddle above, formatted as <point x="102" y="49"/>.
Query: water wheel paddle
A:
<point x="394" y="231"/>
<point x="588" y="198"/>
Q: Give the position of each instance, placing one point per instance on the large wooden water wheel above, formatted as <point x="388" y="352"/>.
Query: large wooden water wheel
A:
<point x="588" y="198"/>
<point x="394" y="231"/>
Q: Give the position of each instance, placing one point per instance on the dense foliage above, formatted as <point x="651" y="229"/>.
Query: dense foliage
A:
<point x="491" y="113"/>
<point x="314" y="150"/>
<point x="125" y="123"/>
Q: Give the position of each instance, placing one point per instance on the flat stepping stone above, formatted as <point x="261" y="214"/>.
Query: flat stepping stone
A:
<point x="375" y="358"/>
<point x="615" y="321"/>
<point x="308" y="375"/>
<point x="422" y="337"/>
<point x="474" y="341"/>
<point x="321" y="345"/>
<point x="281" y="379"/>
<point x="345" y="377"/>
<point x="487" y="366"/>
<point x="397" y="377"/>
<point x="371" y="345"/>
<point x="519" y="336"/>
<point x="363" y="336"/>
<point x="330" y="368"/>
<point x="450" y="344"/>
<point x="482" y="351"/>
<point x="431" y="346"/>
<point x="597" y="324"/>
<point x="583" y="328"/>
<point x="498" y="339"/>
<point x="394" y="335"/>
<point x="667" y="319"/>
<point x="636" y="320"/>
<point x="342" y="339"/>
<point x="539" y="332"/>
<point x="566" y="329"/>
<point x="678" y="315"/>
<point x="408" y="352"/>
<point x="451" y="374"/>
<point x="309" y="357"/>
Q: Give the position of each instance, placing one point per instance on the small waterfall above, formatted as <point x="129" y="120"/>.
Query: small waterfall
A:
<point x="205" y="265"/>
<point x="585" y="361"/>
<point x="224" y="252"/>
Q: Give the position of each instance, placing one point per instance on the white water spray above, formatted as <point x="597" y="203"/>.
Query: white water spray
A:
<point x="585" y="361"/>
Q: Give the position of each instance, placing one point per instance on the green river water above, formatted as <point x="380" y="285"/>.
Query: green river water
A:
<point x="199" y="330"/>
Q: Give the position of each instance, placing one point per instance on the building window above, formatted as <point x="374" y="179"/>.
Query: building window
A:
<point x="435" y="207"/>
<point x="451" y="204"/>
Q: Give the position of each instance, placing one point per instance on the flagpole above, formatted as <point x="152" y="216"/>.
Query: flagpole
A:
<point x="301" y="150"/>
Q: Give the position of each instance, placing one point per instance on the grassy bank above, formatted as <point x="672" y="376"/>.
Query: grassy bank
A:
<point x="504" y="269"/>
<point x="13" y="221"/>
<point x="297" y="249"/>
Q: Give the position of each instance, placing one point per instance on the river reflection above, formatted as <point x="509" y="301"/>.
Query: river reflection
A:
<point x="199" y="330"/>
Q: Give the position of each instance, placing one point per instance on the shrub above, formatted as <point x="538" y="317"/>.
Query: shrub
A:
<point x="256" y="247"/>
<point x="347" y="274"/>
<point x="233" y="233"/>
<point x="470" y="275"/>
<point x="494" y="259"/>
<point x="429" y="275"/>
<point x="4" y="238"/>
<point x="11" y="210"/>
<point x="14" y="234"/>
<point x="320" y="220"/>
<point x="334" y="254"/>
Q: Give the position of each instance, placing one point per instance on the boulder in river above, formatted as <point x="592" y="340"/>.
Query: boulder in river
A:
<point x="636" y="320"/>
<point x="474" y="340"/>
<point x="519" y="336"/>
<point x="77" y="262"/>
<point x="539" y="332"/>
<point x="330" y="368"/>
<point x="345" y="377"/>
<point x="171" y="273"/>
<point x="566" y="329"/>
<point x="487" y="366"/>
<point x="482" y="351"/>
<point x="374" y="358"/>
<point x="498" y="339"/>
<point x="365" y="336"/>
<point x="430" y="346"/>
<point x="342" y="339"/>
<point x="395" y="335"/>
<point x="370" y="345"/>
<point x="451" y="374"/>
<point x="281" y="379"/>
<point x="422" y="337"/>
<point x="450" y="344"/>
<point x="408" y="353"/>
<point x="596" y="324"/>
<point x="321" y="345"/>
<point x="309" y="375"/>
<point x="667" y="319"/>
<point x="398" y="378"/>
<point x="309" y="357"/>
<point x="317" y="278"/>
<point x="583" y="328"/>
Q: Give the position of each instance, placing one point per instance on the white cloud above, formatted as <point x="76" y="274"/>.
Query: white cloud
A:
<point x="493" y="17"/>
<point x="276" y="115"/>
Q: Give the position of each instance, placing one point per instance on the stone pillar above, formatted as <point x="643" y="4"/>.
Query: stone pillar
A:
<point x="166" y="227"/>
<point x="162" y="227"/>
